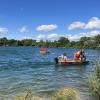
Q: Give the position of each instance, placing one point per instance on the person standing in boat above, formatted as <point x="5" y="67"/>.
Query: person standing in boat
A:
<point x="80" y="56"/>
<point x="83" y="56"/>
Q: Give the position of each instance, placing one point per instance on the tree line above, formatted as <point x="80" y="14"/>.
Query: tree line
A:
<point x="84" y="42"/>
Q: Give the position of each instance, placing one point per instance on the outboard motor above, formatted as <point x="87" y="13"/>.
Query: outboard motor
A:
<point x="56" y="60"/>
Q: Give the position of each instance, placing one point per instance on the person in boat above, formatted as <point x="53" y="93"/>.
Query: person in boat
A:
<point x="80" y="56"/>
<point x="44" y="50"/>
<point x="83" y="56"/>
<point x="63" y="57"/>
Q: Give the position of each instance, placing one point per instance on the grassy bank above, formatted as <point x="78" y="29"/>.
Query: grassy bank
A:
<point x="62" y="94"/>
<point x="95" y="81"/>
<point x="66" y="94"/>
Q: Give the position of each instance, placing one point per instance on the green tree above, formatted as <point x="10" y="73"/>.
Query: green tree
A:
<point x="3" y="41"/>
<point x="63" y="41"/>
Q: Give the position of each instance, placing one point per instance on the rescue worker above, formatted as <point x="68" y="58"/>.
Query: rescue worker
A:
<point x="80" y="55"/>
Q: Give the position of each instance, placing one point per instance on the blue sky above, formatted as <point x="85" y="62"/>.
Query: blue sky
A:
<point x="49" y="19"/>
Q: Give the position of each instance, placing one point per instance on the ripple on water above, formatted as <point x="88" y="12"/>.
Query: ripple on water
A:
<point x="22" y="68"/>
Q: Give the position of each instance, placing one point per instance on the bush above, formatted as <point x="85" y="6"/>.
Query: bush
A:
<point x="66" y="94"/>
<point x="62" y="94"/>
<point x="95" y="81"/>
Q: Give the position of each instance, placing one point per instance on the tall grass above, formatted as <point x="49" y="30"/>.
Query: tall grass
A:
<point x="66" y="94"/>
<point x="62" y="94"/>
<point x="27" y="96"/>
<point x="95" y="81"/>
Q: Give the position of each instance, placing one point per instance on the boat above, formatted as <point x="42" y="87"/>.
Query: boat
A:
<point x="70" y="62"/>
<point x="44" y="50"/>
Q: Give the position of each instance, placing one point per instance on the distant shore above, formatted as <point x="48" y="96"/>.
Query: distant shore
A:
<point x="84" y="42"/>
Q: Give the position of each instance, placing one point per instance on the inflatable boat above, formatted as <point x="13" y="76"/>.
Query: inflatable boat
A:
<point x="70" y="62"/>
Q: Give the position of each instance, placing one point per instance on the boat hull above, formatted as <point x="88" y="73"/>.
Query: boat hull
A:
<point x="44" y="52"/>
<point x="70" y="62"/>
<point x="73" y="63"/>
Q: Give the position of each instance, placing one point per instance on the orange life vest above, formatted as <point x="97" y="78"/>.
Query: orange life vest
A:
<point x="77" y="55"/>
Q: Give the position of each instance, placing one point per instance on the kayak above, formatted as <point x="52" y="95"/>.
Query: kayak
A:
<point x="70" y="62"/>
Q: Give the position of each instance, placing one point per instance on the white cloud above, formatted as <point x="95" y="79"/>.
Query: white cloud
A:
<point x="53" y="36"/>
<point x="46" y="28"/>
<point x="71" y="37"/>
<point x="41" y="37"/>
<point x="76" y="37"/>
<point x="24" y="29"/>
<point x="26" y="37"/>
<point x="76" y="25"/>
<point x="3" y="30"/>
<point x="94" y="23"/>
<point x="90" y="34"/>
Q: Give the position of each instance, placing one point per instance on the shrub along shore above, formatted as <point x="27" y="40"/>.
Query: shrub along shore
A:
<point x="66" y="93"/>
<point x="95" y="81"/>
<point x="84" y="42"/>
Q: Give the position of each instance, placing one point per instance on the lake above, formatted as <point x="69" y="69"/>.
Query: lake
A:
<point x="23" y="68"/>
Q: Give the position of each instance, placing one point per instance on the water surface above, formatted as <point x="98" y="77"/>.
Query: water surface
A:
<point x="24" y="68"/>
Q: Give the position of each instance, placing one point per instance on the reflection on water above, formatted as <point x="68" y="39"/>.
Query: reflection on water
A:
<point x="22" y="68"/>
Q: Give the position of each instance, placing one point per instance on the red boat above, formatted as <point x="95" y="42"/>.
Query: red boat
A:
<point x="70" y="62"/>
<point x="73" y="63"/>
<point x="44" y="50"/>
